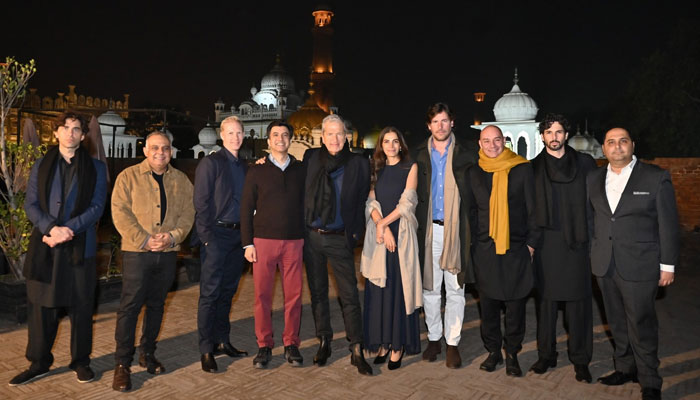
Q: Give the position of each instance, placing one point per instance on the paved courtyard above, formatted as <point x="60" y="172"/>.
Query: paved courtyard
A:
<point x="678" y="309"/>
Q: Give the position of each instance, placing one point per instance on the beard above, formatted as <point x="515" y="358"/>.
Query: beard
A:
<point x="554" y="145"/>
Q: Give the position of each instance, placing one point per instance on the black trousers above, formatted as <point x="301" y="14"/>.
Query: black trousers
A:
<point x="222" y="265"/>
<point x="631" y="315"/>
<point x="146" y="279"/>
<point x="578" y="317"/>
<point x="491" y="324"/>
<point x="42" y="324"/>
<point x="318" y="251"/>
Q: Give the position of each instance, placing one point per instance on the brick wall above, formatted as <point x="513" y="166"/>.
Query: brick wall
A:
<point x="685" y="174"/>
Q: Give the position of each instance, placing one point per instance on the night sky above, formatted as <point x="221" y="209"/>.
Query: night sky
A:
<point x="391" y="61"/>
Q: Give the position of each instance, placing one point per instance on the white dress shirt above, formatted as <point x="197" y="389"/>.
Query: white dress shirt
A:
<point x="614" y="186"/>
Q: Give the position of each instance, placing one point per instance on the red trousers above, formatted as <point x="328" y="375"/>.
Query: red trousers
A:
<point x="287" y="254"/>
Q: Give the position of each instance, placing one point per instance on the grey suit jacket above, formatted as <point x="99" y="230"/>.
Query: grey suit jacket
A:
<point x="642" y="232"/>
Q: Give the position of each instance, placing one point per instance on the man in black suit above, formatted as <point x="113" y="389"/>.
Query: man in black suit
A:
<point x="337" y="185"/>
<point x="506" y="237"/>
<point x="218" y="187"/>
<point x="634" y="250"/>
<point x="562" y="264"/>
<point x="444" y="235"/>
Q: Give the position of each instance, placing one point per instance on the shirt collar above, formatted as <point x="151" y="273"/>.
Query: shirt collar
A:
<point x="627" y="168"/>
<point x="281" y="166"/>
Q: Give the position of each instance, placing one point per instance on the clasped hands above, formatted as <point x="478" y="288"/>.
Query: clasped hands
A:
<point x="58" y="235"/>
<point x="385" y="236"/>
<point x="159" y="242"/>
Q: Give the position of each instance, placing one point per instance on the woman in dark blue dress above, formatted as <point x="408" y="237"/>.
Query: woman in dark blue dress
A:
<point x="388" y="328"/>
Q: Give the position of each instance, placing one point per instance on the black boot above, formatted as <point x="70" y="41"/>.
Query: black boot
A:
<point x="358" y="359"/>
<point x="324" y="351"/>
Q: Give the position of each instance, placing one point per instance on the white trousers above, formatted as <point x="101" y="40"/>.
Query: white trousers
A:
<point x="432" y="299"/>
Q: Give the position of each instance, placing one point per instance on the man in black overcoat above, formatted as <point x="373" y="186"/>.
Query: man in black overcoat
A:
<point x="562" y="264"/>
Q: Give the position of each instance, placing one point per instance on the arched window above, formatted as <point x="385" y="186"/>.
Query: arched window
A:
<point x="522" y="147"/>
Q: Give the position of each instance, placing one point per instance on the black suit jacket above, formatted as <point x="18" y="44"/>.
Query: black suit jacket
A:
<point x="465" y="155"/>
<point x="642" y="232"/>
<point x="353" y="194"/>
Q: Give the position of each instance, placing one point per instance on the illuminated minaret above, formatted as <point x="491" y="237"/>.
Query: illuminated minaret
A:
<point x="322" y="65"/>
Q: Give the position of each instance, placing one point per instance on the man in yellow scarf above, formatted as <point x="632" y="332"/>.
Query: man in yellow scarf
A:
<point x="503" y="188"/>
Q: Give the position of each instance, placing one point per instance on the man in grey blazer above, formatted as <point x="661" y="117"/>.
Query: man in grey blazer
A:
<point x="634" y="249"/>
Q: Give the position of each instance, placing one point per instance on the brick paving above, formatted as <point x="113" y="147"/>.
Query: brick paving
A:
<point x="678" y="308"/>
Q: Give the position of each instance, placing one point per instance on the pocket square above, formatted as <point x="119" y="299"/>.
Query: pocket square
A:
<point x="640" y="193"/>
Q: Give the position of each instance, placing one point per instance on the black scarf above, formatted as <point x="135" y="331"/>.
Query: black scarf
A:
<point x="40" y="258"/>
<point x="571" y="191"/>
<point x="321" y="198"/>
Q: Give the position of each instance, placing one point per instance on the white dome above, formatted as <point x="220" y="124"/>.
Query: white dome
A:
<point x="277" y="79"/>
<point x="111" y="118"/>
<point x="585" y="142"/>
<point x="207" y="136"/>
<point x="515" y="105"/>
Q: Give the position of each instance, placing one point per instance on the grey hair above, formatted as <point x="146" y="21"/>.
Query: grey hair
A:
<point x="333" y="118"/>
<point x="159" y="133"/>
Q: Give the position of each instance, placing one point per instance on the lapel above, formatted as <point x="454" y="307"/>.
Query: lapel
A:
<point x="601" y="189"/>
<point x="635" y="176"/>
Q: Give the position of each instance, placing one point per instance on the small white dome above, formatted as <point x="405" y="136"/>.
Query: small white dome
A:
<point x="515" y="105"/>
<point x="207" y="136"/>
<point x="111" y="118"/>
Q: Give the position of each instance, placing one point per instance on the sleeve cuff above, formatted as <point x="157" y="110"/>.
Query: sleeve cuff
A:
<point x="250" y="245"/>
<point x="668" y="268"/>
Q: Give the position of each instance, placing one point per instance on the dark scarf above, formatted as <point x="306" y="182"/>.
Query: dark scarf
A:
<point x="40" y="258"/>
<point x="572" y="196"/>
<point x="320" y="200"/>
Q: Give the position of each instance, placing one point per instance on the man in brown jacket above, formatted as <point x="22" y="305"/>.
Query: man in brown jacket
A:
<point x="152" y="210"/>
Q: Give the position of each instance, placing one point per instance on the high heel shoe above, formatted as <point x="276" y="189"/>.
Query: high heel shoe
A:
<point x="395" y="364"/>
<point x="381" y="359"/>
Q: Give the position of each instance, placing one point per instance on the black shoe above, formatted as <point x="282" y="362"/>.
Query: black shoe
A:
<point x="151" y="363"/>
<point x="651" y="394"/>
<point x="84" y="373"/>
<point x="357" y="358"/>
<point x="209" y="363"/>
<point x="324" y="351"/>
<point x="395" y="364"/>
<point x="264" y="356"/>
<point x="381" y="359"/>
<point x="434" y="348"/>
<point x="28" y="376"/>
<point x="582" y="373"/>
<point x="492" y="361"/>
<point x="292" y="355"/>
<point x="122" y="378"/>
<point x="228" y="349"/>
<point x="512" y="365"/>
<point x="617" y="378"/>
<point x="543" y="364"/>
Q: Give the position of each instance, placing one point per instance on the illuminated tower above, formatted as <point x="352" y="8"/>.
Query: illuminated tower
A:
<point x="479" y="112"/>
<point x="322" y="64"/>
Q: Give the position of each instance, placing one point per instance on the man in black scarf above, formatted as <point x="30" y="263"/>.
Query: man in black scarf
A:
<point x="66" y="195"/>
<point x="337" y="185"/>
<point x="562" y="265"/>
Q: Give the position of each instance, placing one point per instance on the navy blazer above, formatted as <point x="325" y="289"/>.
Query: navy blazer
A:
<point x="85" y="222"/>
<point x="217" y="194"/>
<point x="643" y="232"/>
<point x="353" y="195"/>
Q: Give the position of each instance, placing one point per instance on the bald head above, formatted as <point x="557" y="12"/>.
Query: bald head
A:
<point x="491" y="141"/>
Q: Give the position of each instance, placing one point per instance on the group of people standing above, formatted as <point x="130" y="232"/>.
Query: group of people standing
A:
<point x="439" y="218"/>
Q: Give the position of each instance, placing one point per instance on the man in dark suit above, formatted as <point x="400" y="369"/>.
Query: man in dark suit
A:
<point x="337" y="185"/>
<point x="634" y="250"/>
<point x="444" y="235"/>
<point x="218" y="187"/>
<point x="506" y="238"/>
<point x="66" y="195"/>
<point x="562" y="264"/>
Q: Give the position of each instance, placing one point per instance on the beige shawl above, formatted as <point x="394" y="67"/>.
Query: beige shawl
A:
<point x="373" y="262"/>
<point x="450" y="259"/>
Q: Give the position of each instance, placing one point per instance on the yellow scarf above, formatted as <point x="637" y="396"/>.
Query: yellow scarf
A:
<point x="499" y="223"/>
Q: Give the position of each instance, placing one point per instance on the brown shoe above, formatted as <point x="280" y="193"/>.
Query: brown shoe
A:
<point x="453" y="359"/>
<point x="434" y="348"/>
<point x="122" y="378"/>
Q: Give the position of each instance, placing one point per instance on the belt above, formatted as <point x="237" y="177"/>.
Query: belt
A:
<point x="229" y="225"/>
<point x="328" y="231"/>
<point x="439" y="222"/>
